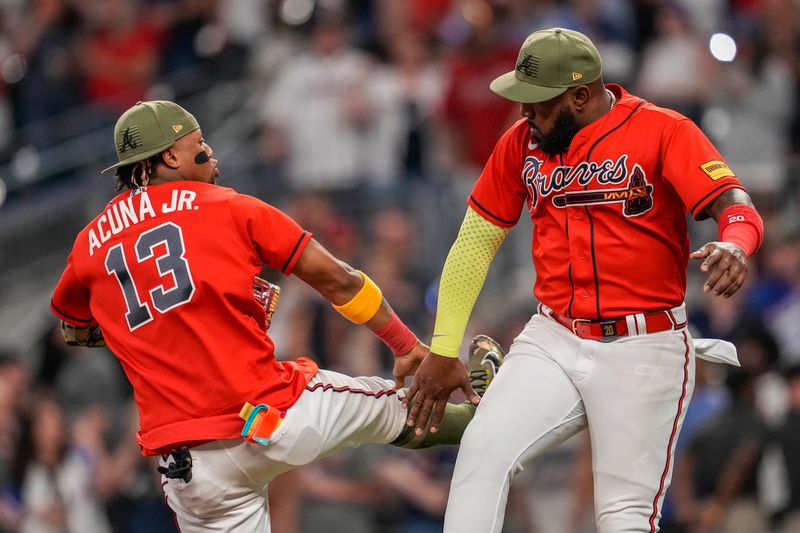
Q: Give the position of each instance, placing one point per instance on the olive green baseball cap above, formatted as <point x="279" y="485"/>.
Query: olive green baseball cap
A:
<point x="549" y="62"/>
<point x="149" y="128"/>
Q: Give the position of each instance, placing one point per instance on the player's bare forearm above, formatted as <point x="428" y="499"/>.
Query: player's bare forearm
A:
<point x="356" y="297"/>
<point x="435" y="380"/>
<point x="727" y="199"/>
<point x="335" y="280"/>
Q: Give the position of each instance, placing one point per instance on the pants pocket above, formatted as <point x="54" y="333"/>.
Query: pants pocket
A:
<point x="296" y="442"/>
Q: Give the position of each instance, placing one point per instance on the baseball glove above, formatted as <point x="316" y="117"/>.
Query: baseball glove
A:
<point x="267" y="294"/>
<point x="90" y="336"/>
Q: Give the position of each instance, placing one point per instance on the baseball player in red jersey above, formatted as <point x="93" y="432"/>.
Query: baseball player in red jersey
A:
<point x="165" y="274"/>
<point x="607" y="180"/>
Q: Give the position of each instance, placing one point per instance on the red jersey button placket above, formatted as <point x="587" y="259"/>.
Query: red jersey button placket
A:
<point x="580" y="258"/>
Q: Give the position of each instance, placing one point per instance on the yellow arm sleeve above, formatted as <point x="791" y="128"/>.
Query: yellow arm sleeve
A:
<point x="462" y="280"/>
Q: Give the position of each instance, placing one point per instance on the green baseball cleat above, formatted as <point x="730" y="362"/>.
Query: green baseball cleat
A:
<point x="485" y="358"/>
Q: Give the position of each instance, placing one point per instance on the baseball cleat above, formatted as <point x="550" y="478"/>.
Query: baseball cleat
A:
<point x="485" y="358"/>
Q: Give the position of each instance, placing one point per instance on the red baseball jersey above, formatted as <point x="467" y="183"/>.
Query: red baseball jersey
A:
<point x="610" y="235"/>
<point x="167" y="272"/>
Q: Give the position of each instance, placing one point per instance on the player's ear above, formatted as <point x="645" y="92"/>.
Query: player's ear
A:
<point x="580" y="97"/>
<point x="170" y="158"/>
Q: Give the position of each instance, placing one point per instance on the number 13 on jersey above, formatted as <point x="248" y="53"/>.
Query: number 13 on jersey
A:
<point x="172" y="263"/>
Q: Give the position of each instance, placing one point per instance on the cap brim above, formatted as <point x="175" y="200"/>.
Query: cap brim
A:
<point x="508" y="86"/>
<point x="138" y="157"/>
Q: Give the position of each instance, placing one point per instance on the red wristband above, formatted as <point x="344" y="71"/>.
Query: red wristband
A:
<point x="397" y="336"/>
<point x="741" y="225"/>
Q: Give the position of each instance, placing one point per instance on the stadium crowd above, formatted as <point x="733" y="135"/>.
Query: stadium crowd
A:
<point x="368" y="121"/>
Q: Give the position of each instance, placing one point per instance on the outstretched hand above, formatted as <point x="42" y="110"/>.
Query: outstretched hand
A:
<point x="436" y="378"/>
<point x="407" y="364"/>
<point x="726" y="265"/>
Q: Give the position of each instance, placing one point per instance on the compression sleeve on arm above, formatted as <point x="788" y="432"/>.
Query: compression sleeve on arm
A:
<point x="462" y="279"/>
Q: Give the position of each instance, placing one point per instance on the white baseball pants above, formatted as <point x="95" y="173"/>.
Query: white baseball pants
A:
<point x="228" y="489"/>
<point x="632" y="393"/>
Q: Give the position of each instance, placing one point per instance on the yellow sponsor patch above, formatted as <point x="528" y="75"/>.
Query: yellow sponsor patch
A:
<point x="716" y="169"/>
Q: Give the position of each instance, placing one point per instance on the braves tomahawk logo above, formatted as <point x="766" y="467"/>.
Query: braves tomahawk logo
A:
<point x="131" y="139"/>
<point x="636" y="197"/>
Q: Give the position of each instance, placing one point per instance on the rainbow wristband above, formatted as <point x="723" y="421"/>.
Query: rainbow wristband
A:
<point x="364" y="305"/>
<point x="397" y="336"/>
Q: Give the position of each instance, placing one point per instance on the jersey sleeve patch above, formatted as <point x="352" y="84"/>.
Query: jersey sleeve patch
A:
<point x="716" y="169"/>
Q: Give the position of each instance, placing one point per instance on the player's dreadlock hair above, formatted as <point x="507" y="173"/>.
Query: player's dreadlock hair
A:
<point x="137" y="174"/>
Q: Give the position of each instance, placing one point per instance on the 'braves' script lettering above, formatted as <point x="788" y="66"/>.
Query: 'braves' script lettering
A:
<point x="541" y="185"/>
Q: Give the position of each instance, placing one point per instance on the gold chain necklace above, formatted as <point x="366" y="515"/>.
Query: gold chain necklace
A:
<point x="613" y="99"/>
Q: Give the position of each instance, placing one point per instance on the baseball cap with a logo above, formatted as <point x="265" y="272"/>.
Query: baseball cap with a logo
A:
<point x="149" y="128"/>
<point x="549" y="62"/>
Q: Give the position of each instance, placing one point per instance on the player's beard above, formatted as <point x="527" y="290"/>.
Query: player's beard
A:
<point x="558" y="139"/>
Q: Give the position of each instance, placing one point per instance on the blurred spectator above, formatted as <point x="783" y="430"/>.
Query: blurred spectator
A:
<point x="119" y="54"/>
<point x="284" y="502"/>
<point x="421" y="17"/>
<point x="758" y="354"/>
<point x="406" y="93"/>
<point x="721" y="318"/>
<point x="14" y="380"/>
<point x="581" y="513"/>
<point x="522" y="17"/>
<point x="706" y="16"/>
<point x="91" y="377"/>
<point x="781" y="290"/>
<point x="779" y="261"/>
<point x="787" y="438"/>
<point x="392" y="255"/>
<point x="751" y="123"/>
<point x="130" y="481"/>
<point x="473" y="117"/>
<point x="610" y="23"/>
<point x="6" y="118"/>
<point x="53" y="355"/>
<point x="421" y="484"/>
<point x="318" y="107"/>
<point x="676" y="69"/>
<point x="44" y="39"/>
<point x="709" y="399"/>
<point x="205" y="40"/>
<point x="13" y="394"/>
<point x="420" y="487"/>
<point x="81" y="377"/>
<point x="715" y="480"/>
<point x="340" y="494"/>
<point x="246" y="21"/>
<point x="56" y="480"/>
